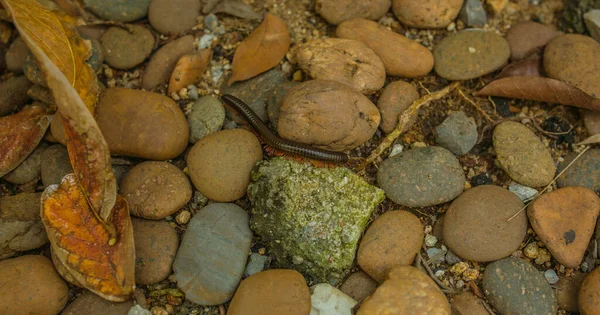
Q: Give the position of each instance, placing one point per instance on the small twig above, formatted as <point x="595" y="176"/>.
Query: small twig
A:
<point x="479" y="109"/>
<point x="403" y="122"/>
<point x="442" y="286"/>
<point x="550" y="185"/>
<point x="488" y="308"/>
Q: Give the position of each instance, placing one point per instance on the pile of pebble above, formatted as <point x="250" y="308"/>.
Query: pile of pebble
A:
<point x="455" y="222"/>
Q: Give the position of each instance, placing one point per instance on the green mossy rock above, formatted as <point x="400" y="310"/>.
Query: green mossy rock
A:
<point x="311" y="218"/>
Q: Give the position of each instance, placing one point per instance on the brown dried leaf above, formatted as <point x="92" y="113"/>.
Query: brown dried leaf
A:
<point x="532" y="66"/>
<point x="540" y="89"/>
<point x="595" y="139"/>
<point x="19" y="136"/>
<point x="189" y="69"/>
<point x="262" y="50"/>
<point x="83" y="245"/>
<point x="61" y="55"/>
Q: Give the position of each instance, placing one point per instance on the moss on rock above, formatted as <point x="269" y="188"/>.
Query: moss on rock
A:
<point x="311" y="218"/>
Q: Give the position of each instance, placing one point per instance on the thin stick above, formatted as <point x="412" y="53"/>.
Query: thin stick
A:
<point x="552" y="182"/>
<point x="403" y="122"/>
<point x="443" y="287"/>
<point x="479" y="109"/>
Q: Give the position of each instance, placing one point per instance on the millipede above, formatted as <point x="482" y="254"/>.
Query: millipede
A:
<point x="278" y="143"/>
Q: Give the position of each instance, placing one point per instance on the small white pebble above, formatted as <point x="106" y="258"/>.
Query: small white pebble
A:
<point x="183" y="217"/>
<point x="430" y="240"/>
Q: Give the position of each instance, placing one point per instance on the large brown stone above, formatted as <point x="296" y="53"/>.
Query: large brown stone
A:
<point x="359" y="286"/>
<point x="589" y="295"/>
<point x="141" y="124"/>
<point x="393" y="239"/>
<point x="220" y="163"/>
<point x="275" y="291"/>
<point x="400" y="55"/>
<point x="328" y="115"/>
<point x="338" y="11"/>
<point x="406" y="291"/>
<point x="573" y="58"/>
<point x="156" y="244"/>
<point x="525" y="38"/>
<point x="393" y="101"/>
<point x="31" y="285"/>
<point x="476" y="225"/>
<point x="564" y="220"/>
<point x="426" y="13"/>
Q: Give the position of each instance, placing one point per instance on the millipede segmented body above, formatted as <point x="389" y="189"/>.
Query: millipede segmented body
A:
<point x="278" y="143"/>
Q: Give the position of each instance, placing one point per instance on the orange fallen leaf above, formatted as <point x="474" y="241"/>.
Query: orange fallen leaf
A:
<point x="61" y="54"/>
<point x="19" y="135"/>
<point x="540" y="89"/>
<point x="189" y="69"/>
<point x="262" y="50"/>
<point x="81" y="241"/>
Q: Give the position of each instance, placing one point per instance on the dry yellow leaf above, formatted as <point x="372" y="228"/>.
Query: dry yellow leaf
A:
<point x="54" y="34"/>
<point x="61" y="55"/>
<point x="262" y="50"/>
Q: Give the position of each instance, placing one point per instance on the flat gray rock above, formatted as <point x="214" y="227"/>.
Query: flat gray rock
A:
<point x="212" y="256"/>
<point x="457" y="133"/>
<point x="421" y="177"/>
<point x="516" y="287"/>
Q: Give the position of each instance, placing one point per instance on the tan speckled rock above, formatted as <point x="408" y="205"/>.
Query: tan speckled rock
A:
<point x="141" y="124"/>
<point x="124" y="49"/>
<point x="573" y="58"/>
<point x="426" y="13"/>
<point x="469" y="54"/>
<point x="343" y="60"/>
<point x="467" y="303"/>
<point x="393" y="239"/>
<point x="220" y="163"/>
<point x="156" y="244"/>
<point x="400" y="55"/>
<point x="524" y="38"/>
<point x="589" y="295"/>
<point x="567" y="291"/>
<point x="359" y="286"/>
<point x="406" y="291"/>
<point x="275" y="291"/>
<point x="31" y="285"/>
<point x="393" y="101"/>
<point x="564" y="219"/>
<point x="476" y="225"/>
<point x="328" y="115"/>
<point x="155" y="190"/>
<point x="522" y="155"/>
<point x="338" y="11"/>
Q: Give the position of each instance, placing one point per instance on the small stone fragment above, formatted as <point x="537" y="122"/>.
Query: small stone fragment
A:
<point x="20" y="223"/>
<point x="189" y="69"/>
<point x="206" y="116"/>
<point x="15" y="55"/>
<point x="551" y="276"/>
<point x="523" y="192"/>
<point x="393" y="101"/>
<point x="473" y="14"/>
<point x="256" y="264"/>
<point x="592" y="21"/>
<point x="457" y="133"/>
<point x="13" y="94"/>
<point x="29" y="170"/>
<point x="327" y="300"/>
